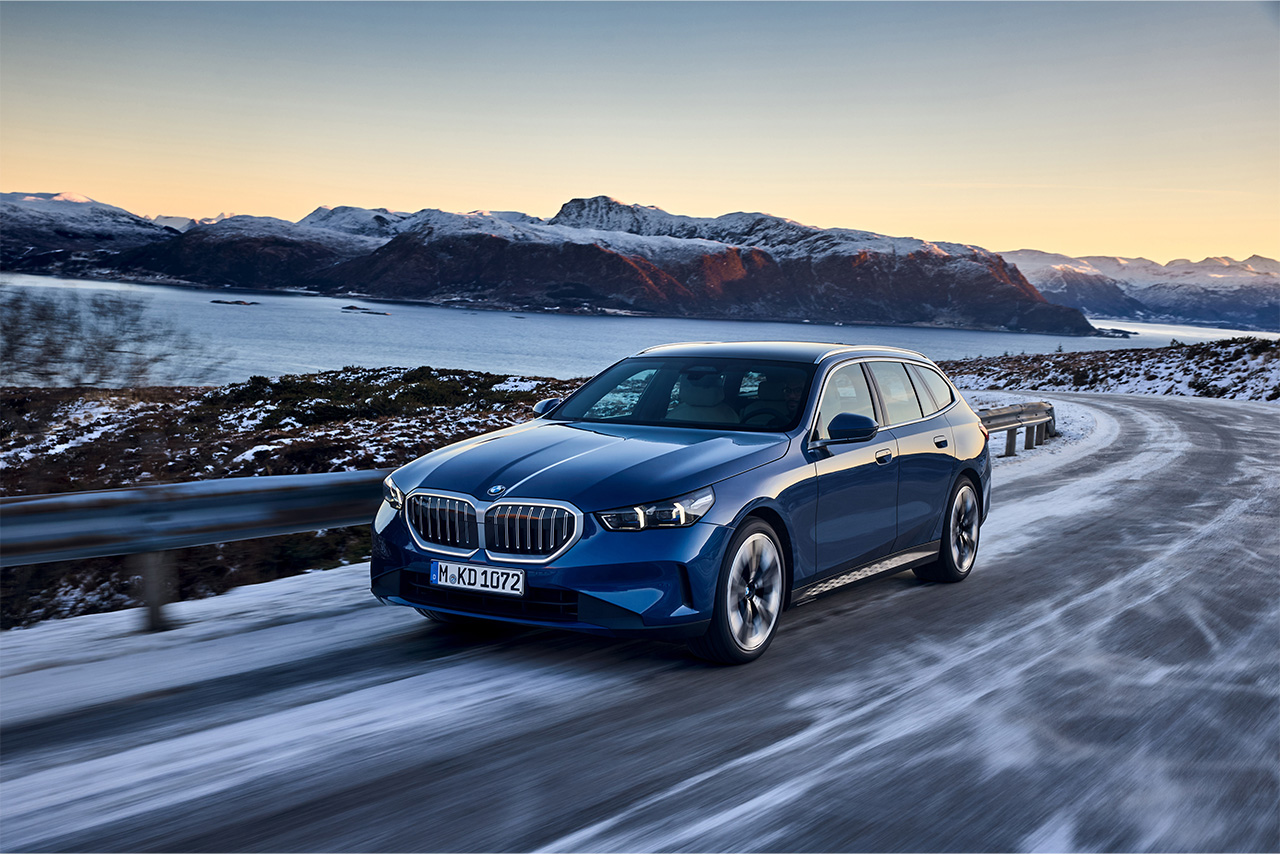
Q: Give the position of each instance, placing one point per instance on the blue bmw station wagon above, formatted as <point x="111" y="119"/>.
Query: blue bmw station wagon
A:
<point x="694" y="491"/>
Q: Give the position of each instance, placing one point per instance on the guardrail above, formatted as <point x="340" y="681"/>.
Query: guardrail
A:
<point x="149" y="521"/>
<point x="1037" y="419"/>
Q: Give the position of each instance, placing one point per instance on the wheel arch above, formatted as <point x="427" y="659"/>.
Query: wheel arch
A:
<point x="974" y="478"/>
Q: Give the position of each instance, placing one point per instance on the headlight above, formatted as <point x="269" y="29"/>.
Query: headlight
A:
<point x="672" y="513"/>
<point x="391" y="493"/>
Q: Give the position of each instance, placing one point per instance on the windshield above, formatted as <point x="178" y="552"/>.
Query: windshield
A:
<point x="687" y="391"/>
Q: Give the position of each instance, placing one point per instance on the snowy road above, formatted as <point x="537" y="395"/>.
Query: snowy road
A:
<point x="1108" y="679"/>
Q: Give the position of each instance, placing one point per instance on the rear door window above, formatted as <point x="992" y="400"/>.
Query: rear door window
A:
<point x="896" y="392"/>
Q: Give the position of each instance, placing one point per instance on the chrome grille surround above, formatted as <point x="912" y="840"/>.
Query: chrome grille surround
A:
<point x="443" y="522"/>
<point x="536" y="530"/>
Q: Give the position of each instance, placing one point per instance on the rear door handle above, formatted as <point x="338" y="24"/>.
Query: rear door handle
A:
<point x="940" y="441"/>
<point x="883" y="456"/>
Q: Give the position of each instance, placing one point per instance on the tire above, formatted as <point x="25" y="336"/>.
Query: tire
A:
<point x="748" y="599"/>
<point x="960" y="529"/>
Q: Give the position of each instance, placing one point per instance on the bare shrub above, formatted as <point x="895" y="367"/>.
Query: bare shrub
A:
<point x="105" y="340"/>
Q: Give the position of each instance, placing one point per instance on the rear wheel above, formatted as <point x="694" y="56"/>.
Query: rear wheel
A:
<point x="960" y="529"/>
<point x="749" y="597"/>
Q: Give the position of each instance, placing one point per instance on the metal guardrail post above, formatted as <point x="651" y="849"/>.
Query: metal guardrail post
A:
<point x="1031" y="438"/>
<point x="1011" y="442"/>
<point x="156" y="569"/>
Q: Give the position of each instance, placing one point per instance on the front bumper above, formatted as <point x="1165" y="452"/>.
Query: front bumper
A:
<point x="658" y="582"/>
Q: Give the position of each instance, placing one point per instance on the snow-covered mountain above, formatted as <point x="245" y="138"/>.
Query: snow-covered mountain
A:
<point x="603" y="254"/>
<point x="35" y="223"/>
<point x="596" y="254"/>
<point x="1216" y="290"/>
<point x="378" y="222"/>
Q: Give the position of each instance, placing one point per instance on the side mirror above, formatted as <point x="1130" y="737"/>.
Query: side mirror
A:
<point x="848" y="427"/>
<point x="542" y="407"/>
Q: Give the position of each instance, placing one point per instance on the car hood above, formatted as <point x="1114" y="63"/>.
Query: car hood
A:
<point x="593" y="466"/>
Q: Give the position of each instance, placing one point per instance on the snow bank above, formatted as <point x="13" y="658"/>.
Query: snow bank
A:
<point x="1237" y="368"/>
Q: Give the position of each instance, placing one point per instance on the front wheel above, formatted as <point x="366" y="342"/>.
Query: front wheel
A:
<point x="749" y="596"/>
<point x="960" y="531"/>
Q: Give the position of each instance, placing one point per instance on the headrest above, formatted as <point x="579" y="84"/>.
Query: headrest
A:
<point x="701" y="389"/>
<point x="771" y="390"/>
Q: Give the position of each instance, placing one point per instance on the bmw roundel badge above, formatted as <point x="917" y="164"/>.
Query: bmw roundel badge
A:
<point x="497" y="489"/>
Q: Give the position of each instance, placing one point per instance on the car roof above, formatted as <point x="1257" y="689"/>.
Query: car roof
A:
<point x="783" y="351"/>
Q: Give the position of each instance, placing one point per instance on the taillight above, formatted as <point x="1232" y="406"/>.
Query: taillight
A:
<point x="986" y="434"/>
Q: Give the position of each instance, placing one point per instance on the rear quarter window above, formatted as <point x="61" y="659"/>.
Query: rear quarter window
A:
<point x="939" y="389"/>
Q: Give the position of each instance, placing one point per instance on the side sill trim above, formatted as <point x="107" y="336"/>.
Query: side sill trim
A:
<point x="884" y="566"/>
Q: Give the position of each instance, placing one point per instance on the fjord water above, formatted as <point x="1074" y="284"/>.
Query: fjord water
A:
<point x="298" y="333"/>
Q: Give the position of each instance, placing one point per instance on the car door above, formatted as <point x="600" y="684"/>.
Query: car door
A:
<point x="926" y="455"/>
<point x="857" y="481"/>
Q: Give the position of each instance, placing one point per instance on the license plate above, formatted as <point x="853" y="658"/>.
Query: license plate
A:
<point x="486" y="579"/>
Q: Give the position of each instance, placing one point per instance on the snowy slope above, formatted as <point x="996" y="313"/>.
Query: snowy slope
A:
<point x="40" y="222"/>
<point x="66" y="207"/>
<point x="1238" y="368"/>
<point x="378" y="222"/>
<point x="782" y="237"/>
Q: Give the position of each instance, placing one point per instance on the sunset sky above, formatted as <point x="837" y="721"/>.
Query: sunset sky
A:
<point x="1130" y="129"/>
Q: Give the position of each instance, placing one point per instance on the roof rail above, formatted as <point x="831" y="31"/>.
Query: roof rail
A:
<point x="675" y="344"/>
<point x="854" y="348"/>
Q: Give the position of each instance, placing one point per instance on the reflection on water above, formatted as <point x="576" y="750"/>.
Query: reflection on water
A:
<point x="292" y="333"/>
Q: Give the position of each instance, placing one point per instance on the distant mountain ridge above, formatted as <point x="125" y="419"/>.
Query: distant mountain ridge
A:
<point x="596" y="254"/>
<point x="183" y="223"/>
<point x="1218" y="290"/>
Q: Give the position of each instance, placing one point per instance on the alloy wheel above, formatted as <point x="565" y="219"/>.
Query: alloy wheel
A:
<point x="964" y="528"/>
<point x="754" y="592"/>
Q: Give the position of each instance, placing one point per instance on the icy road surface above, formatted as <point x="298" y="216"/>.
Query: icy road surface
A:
<point x="1106" y="680"/>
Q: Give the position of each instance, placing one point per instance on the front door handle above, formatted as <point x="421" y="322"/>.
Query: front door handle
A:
<point x="940" y="441"/>
<point x="883" y="456"/>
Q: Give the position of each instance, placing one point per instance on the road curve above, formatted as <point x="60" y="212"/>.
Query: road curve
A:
<point x="1108" y="679"/>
